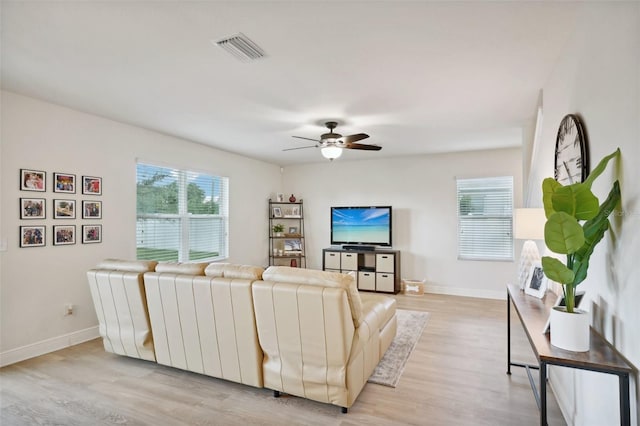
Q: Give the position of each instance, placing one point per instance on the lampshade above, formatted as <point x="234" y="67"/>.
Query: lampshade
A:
<point x="331" y="152"/>
<point x="529" y="224"/>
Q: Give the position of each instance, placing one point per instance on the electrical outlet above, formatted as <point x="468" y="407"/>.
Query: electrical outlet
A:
<point x="68" y="309"/>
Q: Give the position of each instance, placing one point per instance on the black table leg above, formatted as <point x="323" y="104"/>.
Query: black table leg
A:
<point x="508" y="333"/>
<point x="543" y="393"/>
<point x="625" y="406"/>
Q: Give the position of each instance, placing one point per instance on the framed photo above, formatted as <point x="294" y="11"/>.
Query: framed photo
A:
<point x="536" y="284"/>
<point x="32" y="208"/>
<point x="561" y="302"/>
<point x="293" y="230"/>
<point x="64" y="235"/>
<point x="277" y="212"/>
<point x="64" y="182"/>
<point x="91" y="185"/>
<point x="280" y="197"/>
<point x="32" y="236"/>
<point x="295" y="211"/>
<point x="64" y="209"/>
<point x="91" y="234"/>
<point x="293" y="246"/>
<point x="91" y="209"/>
<point x="32" y="180"/>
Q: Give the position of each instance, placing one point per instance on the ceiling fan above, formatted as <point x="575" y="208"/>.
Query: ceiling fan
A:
<point x="331" y="144"/>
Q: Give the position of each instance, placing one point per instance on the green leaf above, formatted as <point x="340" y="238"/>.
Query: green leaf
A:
<point x="556" y="270"/>
<point x="580" y="271"/>
<point x="600" y="168"/>
<point x="549" y="186"/>
<point x="605" y="210"/>
<point x="563" y="234"/>
<point x="594" y="231"/>
<point x="576" y="200"/>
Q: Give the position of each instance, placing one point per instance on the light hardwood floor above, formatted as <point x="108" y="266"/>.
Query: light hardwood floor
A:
<point x="455" y="376"/>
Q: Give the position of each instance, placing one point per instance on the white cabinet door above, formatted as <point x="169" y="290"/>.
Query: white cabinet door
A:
<point x="384" y="282"/>
<point x="385" y="263"/>
<point x="366" y="281"/>
<point x="349" y="261"/>
<point x="332" y="260"/>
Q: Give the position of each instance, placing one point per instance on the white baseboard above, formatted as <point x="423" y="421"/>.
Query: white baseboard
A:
<point x="46" y="346"/>
<point x="468" y="292"/>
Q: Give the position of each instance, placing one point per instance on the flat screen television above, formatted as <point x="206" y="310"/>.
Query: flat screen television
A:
<point x="361" y="225"/>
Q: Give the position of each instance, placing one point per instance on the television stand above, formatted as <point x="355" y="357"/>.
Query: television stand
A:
<point x="359" y="248"/>
<point x="376" y="269"/>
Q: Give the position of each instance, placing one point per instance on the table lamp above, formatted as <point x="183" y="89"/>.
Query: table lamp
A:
<point x="529" y="225"/>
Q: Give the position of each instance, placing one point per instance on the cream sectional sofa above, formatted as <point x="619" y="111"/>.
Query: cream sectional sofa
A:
<point x="117" y="289"/>
<point x="321" y="338"/>
<point x="303" y="332"/>
<point x="203" y="319"/>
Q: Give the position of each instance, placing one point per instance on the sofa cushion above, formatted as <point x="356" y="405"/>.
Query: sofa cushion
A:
<point x="127" y="265"/>
<point x="230" y="270"/>
<point x="181" y="268"/>
<point x="286" y="274"/>
<point x="383" y="306"/>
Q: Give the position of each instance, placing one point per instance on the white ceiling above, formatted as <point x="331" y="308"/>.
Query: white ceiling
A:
<point x="418" y="77"/>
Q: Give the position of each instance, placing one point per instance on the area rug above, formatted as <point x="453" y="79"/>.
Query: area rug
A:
<point x="410" y="327"/>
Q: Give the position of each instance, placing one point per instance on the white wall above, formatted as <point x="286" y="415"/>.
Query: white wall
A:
<point x="37" y="282"/>
<point x="422" y="191"/>
<point x="598" y="77"/>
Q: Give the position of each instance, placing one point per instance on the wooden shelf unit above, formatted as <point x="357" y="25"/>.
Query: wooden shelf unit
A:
<point x="288" y="218"/>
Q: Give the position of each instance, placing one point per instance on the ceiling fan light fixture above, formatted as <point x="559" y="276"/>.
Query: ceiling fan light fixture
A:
<point x="331" y="152"/>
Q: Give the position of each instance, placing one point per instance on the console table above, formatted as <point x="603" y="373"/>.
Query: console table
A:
<point x="601" y="357"/>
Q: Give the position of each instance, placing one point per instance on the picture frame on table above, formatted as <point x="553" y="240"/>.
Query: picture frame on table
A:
<point x="32" y="236"/>
<point x="293" y="230"/>
<point x="277" y="212"/>
<point x="91" y="209"/>
<point x="64" y="209"/>
<point x="280" y="197"/>
<point x="64" y="182"/>
<point x="536" y="284"/>
<point x="33" y="180"/>
<point x="64" y="235"/>
<point x="33" y="208"/>
<point x="91" y="185"/>
<point x="91" y="234"/>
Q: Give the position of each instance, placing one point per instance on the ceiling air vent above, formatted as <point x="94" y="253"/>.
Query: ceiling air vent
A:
<point x="240" y="46"/>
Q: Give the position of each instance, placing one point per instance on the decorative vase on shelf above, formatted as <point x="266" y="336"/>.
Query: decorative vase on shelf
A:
<point x="292" y="199"/>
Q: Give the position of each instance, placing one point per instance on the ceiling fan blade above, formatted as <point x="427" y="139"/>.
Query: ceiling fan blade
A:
<point x="354" y="138"/>
<point x="362" y="146"/>
<point x="301" y="147"/>
<point x="308" y="139"/>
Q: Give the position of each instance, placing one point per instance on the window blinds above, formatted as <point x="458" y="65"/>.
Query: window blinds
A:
<point x="181" y="215"/>
<point x="485" y="209"/>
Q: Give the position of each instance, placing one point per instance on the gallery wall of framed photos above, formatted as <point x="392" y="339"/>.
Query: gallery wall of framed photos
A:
<point x="61" y="197"/>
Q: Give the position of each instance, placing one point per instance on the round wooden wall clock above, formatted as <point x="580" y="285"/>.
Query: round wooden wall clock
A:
<point x="571" y="163"/>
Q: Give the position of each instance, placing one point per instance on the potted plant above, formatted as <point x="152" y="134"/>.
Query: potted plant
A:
<point x="278" y="229"/>
<point x="576" y="223"/>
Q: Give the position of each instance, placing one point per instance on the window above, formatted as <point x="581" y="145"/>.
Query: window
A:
<point x="181" y="215"/>
<point x="485" y="218"/>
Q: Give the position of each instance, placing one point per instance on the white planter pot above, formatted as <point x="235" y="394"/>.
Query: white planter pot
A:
<point x="570" y="331"/>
